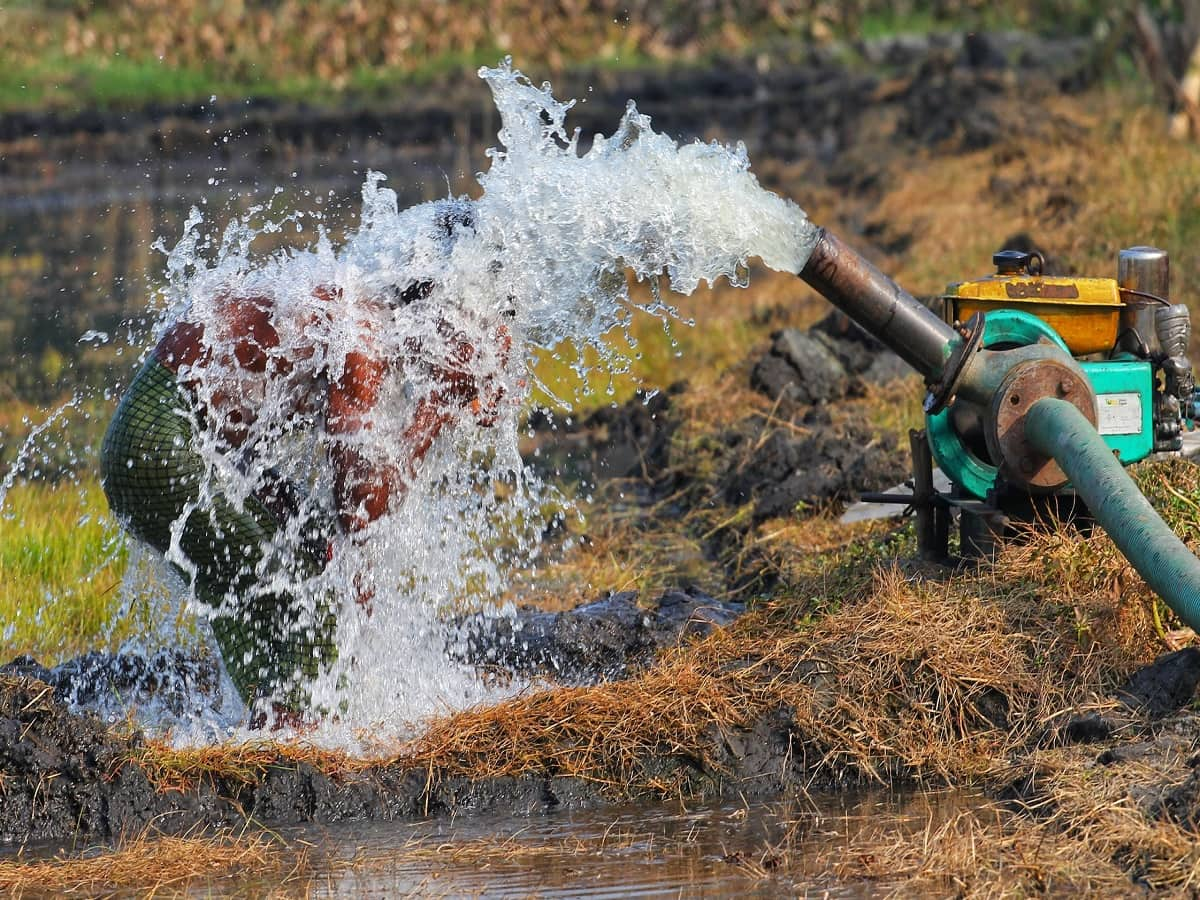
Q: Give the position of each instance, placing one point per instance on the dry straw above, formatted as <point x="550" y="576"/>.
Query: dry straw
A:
<point x="148" y="864"/>
<point x="906" y="676"/>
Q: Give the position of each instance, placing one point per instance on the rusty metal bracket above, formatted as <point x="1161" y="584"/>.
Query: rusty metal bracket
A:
<point x="942" y="393"/>
<point x="1019" y="461"/>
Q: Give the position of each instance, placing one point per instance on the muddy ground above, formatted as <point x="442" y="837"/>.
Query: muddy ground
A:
<point x="64" y="776"/>
<point x="67" y="778"/>
<point x="792" y="103"/>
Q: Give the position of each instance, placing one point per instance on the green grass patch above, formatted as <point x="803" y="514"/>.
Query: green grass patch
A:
<point x="63" y="559"/>
<point x="894" y="22"/>
<point x="58" y="82"/>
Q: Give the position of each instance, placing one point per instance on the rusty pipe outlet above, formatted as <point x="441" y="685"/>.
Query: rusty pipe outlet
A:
<point x="952" y="359"/>
<point x="848" y="280"/>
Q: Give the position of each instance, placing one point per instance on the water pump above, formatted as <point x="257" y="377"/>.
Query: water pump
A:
<point x="1129" y="340"/>
<point x="1041" y="389"/>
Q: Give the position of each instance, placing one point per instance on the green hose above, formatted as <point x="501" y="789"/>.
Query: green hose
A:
<point x="1056" y="428"/>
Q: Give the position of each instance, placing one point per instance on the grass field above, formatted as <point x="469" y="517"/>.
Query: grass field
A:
<point x="62" y="559"/>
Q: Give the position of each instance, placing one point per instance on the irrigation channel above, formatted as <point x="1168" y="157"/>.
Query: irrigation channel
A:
<point x="95" y="210"/>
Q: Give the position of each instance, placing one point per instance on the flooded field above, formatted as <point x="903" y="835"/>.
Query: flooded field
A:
<point x="80" y="234"/>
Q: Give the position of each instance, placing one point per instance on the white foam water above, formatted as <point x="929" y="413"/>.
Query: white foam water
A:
<point x="543" y="255"/>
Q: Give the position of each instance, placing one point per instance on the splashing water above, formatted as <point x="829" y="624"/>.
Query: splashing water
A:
<point x="439" y="291"/>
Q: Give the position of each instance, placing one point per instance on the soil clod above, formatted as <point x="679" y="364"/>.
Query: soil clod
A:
<point x="182" y="683"/>
<point x="788" y="473"/>
<point x="828" y="362"/>
<point x="599" y="641"/>
<point x="1165" y="686"/>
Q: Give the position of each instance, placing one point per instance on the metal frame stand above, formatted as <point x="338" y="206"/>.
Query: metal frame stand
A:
<point x="981" y="523"/>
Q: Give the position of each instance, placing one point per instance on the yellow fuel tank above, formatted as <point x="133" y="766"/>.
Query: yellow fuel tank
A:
<point x="1084" y="311"/>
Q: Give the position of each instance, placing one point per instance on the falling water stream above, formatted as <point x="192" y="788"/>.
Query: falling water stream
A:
<point x="541" y="256"/>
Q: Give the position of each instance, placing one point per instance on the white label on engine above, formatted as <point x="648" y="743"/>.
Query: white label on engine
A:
<point x="1119" y="413"/>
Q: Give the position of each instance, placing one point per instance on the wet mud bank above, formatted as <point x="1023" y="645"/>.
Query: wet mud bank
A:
<point x="68" y="777"/>
<point x="64" y="774"/>
<point x="607" y="639"/>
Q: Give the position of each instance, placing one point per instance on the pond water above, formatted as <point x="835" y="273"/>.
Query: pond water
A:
<point x="717" y="850"/>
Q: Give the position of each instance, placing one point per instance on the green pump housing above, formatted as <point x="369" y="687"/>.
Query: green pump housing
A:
<point x="1128" y="339"/>
<point x="1124" y="386"/>
<point x="1013" y="368"/>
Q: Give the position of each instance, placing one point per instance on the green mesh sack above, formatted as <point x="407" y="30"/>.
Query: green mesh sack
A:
<point x="271" y="643"/>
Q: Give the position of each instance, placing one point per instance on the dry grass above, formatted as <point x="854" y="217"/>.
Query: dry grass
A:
<point x="1095" y="806"/>
<point x="888" y="673"/>
<point x="1090" y="188"/>
<point x="903" y="683"/>
<point x="182" y="768"/>
<point x="1080" y="831"/>
<point x="906" y="677"/>
<point x="151" y="866"/>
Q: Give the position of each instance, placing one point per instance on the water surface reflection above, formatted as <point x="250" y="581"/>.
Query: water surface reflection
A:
<point x="728" y="849"/>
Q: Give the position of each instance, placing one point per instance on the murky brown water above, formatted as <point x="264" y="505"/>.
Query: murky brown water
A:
<point x="78" y="253"/>
<point x="723" y="850"/>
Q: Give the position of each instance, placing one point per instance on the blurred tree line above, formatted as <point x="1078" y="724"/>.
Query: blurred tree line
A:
<point x="336" y="39"/>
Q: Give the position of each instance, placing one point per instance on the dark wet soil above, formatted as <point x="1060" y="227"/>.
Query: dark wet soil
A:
<point x="181" y="683"/>
<point x="630" y="441"/>
<point x="790" y="473"/>
<point x="67" y="777"/>
<point x="833" y="359"/>
<point x="802" y="463"/>
<point x="605" y="640"/>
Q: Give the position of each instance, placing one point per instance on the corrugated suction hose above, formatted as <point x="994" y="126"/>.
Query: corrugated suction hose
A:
<point x="1056" y="428"/>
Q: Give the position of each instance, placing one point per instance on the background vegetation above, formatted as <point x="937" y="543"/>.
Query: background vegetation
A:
<point x="73" y="52"/>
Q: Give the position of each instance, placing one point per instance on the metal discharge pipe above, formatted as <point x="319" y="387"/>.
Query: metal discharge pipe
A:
<point x="848" y="281"/>
<point x="1056" y="428"/>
